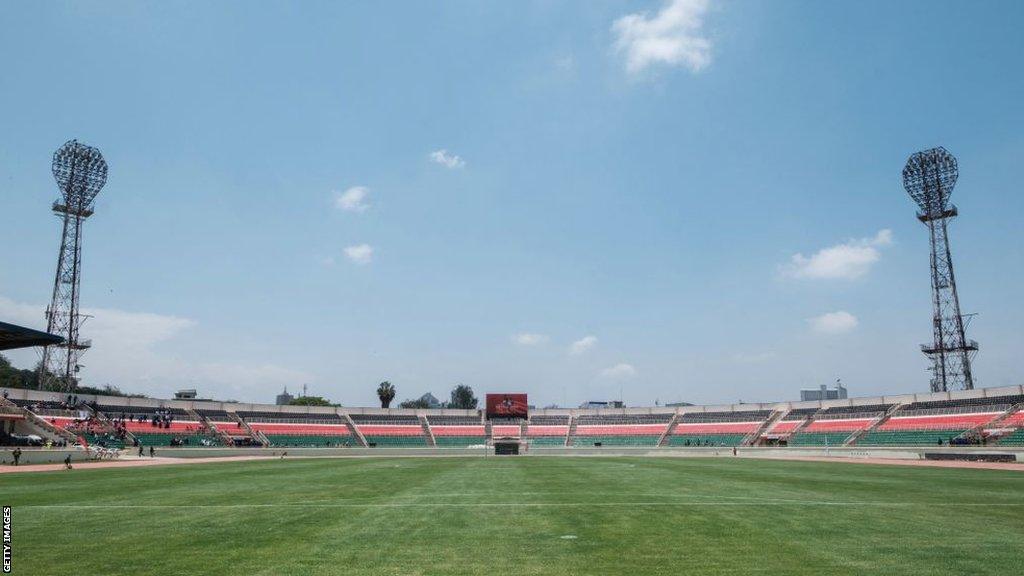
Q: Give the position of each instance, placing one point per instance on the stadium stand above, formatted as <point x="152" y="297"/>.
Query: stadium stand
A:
<point x="974" y="417"/>
<point x="620" y="429"/>
<point x="715" y="428"/>
<point x="394" y="430"/>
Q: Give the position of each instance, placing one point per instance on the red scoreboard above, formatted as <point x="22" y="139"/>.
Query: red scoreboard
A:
<point x="506" y="406"/>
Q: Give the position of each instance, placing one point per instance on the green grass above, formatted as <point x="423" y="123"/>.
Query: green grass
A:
<point x="495" y="516"/>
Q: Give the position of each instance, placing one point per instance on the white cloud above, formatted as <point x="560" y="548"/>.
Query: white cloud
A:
<point x="673" y="37"/>
<point x="360" y="253"/>
<point x="527" y="339"/>
<point x="839" y="322"/>
<point x="565" y="63"/>
<point x="130" y="351"/>
<point x="846" y="261"/>
<point x="755" y="357"/>
<point x="619" y="371"/>
<point x="447" y="159"/>
<point x="353" y="199"/>
<point x="582" y="345"/>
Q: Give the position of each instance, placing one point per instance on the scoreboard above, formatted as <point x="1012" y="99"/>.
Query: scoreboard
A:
<point x="506" y="406"/>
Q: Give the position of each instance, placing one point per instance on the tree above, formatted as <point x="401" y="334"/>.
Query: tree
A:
<point x="310" y="401"/>
<point x="386" y="393"/>
<point x="462" y="397"/>
<point x="11" y="377"/>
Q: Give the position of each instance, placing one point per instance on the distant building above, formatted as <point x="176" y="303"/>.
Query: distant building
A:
<point x="823" y="393"/>
<point x="430" y="401"/>
<point x="677" y="404"/>
<point x="603" y="404"/>
<point x="284" y="398"/>
<point x="187" y="394"/>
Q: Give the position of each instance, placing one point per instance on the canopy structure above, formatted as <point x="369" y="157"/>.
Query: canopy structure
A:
<point x="12" y="336"/>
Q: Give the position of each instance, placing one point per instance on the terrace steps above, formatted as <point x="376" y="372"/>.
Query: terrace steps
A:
<point x="354" y="430"/>
<point x="976" y="431"/>
<point x="755" y="436"/>
<point x="668" y="429"/>
<point x="253" y="433"/>
<point x="427" y="432"/>
<point x="570" y="434"/>
<point x="857" y="435"/>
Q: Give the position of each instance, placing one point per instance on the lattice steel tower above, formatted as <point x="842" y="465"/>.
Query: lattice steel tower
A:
<point x="80" y="172"/>
<point x="929" y="177"/>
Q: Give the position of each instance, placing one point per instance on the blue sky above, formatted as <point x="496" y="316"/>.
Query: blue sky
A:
<point x="704" y="197"/>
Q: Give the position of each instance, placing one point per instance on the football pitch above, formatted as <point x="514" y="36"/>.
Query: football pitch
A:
<point x="517" y="515"/>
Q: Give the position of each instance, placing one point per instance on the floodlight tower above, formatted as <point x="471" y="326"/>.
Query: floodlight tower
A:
<point x="929" y="177"/>
<point x="80" y="172"/>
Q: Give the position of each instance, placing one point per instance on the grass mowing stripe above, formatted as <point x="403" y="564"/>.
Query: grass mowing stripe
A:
<point x="525" y="504"/>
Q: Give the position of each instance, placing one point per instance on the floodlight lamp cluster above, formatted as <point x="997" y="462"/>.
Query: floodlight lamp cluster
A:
<point x="929" y="178"/>
<point x="80" y="172"/>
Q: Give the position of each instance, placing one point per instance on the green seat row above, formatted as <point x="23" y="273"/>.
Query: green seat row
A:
<point x="311" y="440"/>
<point x="818" y="438"/>
<point x="400" y="441"/>
<point x="705" y="439"/>
<point x="547" y="440"/>
<point x="616" y="440"/>
<point x="96" y="440"/>
<point x="164" y="439"/>
<point x="1015" y="439"/>
<point x="908" y="437"/>
<point x="459" y="440"/>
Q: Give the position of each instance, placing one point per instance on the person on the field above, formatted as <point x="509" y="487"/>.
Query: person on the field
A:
<point x="140" y="450"/>
<point x="17" y="455"/>
<point x="152" y="452"/>
<point x="67" y="462"/>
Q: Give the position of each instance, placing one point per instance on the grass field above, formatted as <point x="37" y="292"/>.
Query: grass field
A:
<point x="510" y="516"/>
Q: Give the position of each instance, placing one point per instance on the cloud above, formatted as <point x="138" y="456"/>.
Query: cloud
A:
<point x="846" y="261"/>
<point x="839" y="322"/>
<point x="582" y="345"/>
<point x="672" y="37"/>
<point x="620" y="371"/>
<point x="754" y="358"/>
<point x="360" y="253"/>
<point x="131" y="350"/>
<point x="353" y="199"/>
<point x="447" y="159"/>
<point x="527" y="339"/>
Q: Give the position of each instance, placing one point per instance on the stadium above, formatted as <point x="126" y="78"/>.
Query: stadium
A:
<point x="647" y="202"/>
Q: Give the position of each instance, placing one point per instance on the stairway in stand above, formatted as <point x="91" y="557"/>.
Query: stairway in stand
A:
<point x="874" y="425"/>
<point x="431" y="441"/>
<point x="752" y="438"/>
<point x="668" y="429"/>
<point x="570" y="434"/>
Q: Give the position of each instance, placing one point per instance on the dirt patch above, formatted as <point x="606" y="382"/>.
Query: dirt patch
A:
<point x="127" y="462"/>
<point x="1019" y="467"/>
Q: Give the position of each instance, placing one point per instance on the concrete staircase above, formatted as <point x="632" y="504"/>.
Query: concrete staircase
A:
<point x="259" y="437"/>
<point x="874" y="425"/>
<point x="994" y="422"/>
<point x="668" y="430"/>
<point x="570" y="434"/>
<point x="41" y="426"/>
<point x="752" y="438"/>
<point x="431" y="441"/>
<point x="355" y="431"/>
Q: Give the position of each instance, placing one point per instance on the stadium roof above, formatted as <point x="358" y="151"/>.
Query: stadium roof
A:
<point x="12" y="336"/>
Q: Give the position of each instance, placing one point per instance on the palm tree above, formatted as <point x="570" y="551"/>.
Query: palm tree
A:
<point x="386" y="393"/>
